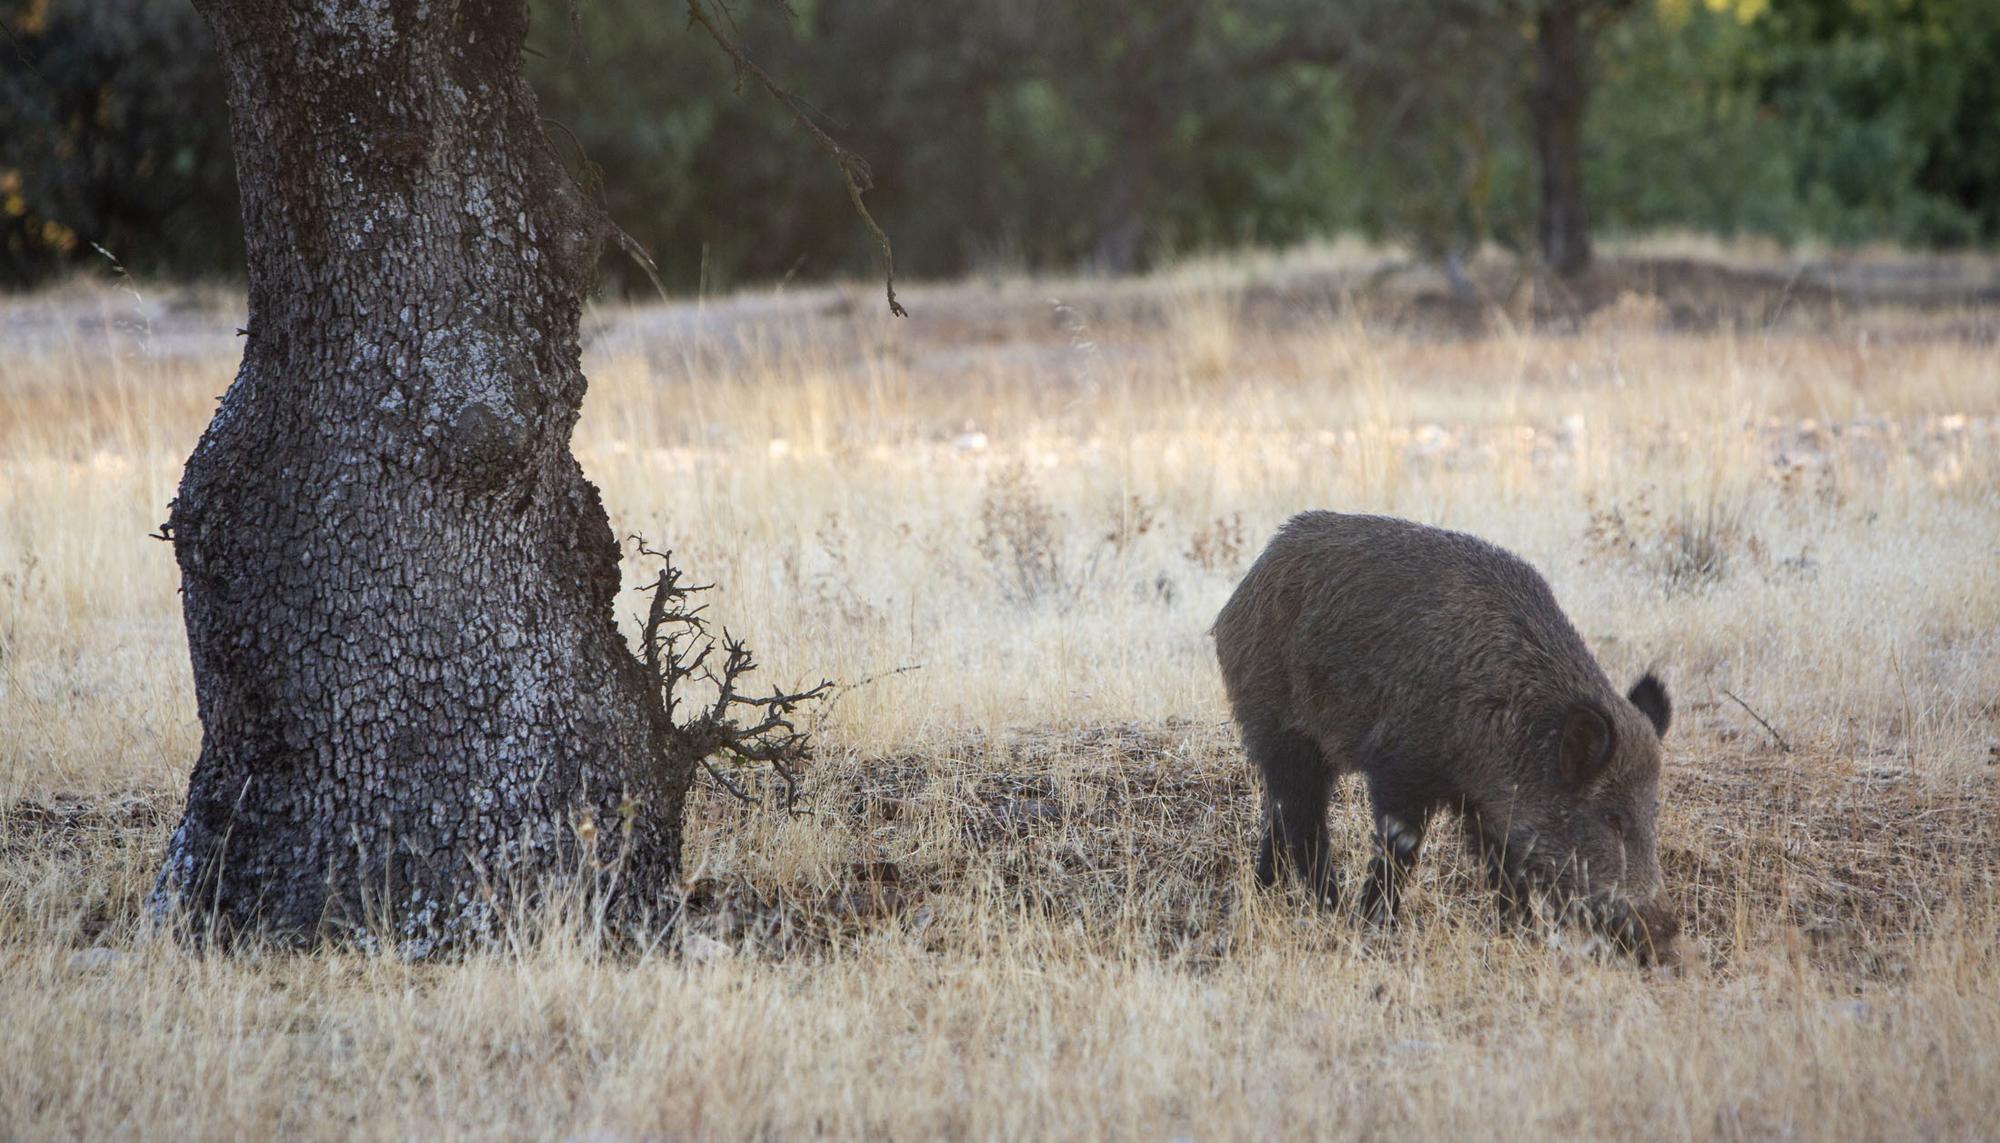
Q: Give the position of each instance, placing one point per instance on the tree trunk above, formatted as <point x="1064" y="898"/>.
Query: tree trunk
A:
<point x="1145" y="93"/>
<point x="1121" y="225"/>
<point x="398" y="586"/>
<point x="1561" y="92"/>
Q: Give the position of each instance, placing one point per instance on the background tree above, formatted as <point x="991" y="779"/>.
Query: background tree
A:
<point x="1564" y="32"/>
<point x="1194" y="100"/>
<point x="1000" y="130"/>
<point x="1441" y="93"/>
<point x="1132" y="66"/>
<point x="1434" y="90"/>
<point x="111" y="131"/>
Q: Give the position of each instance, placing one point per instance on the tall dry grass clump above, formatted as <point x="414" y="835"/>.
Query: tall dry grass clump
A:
<point x="1017" y="902"/>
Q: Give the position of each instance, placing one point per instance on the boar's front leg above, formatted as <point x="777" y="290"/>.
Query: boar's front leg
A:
<point x="1397" y="840"/>
<point x="1509" y="880"/>
<point x="1297" y="786"/>
<point x="1401" y="815"/>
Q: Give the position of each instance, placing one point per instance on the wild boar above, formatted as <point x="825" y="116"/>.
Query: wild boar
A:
<point x="1439" y="668"/>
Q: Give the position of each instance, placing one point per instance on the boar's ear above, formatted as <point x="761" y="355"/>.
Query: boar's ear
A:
<point x="1651" y="699"/>
<point x="1587" y="742"/>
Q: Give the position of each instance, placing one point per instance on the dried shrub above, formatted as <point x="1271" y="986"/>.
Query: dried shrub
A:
<point x="1127" y="521"/>
<point x="1017" y="539"/>
<point x="1688" y="549"/>
<point x="1698" y="547"/>
<point x="834" y="588"/>
<point x="1220" y="544"/>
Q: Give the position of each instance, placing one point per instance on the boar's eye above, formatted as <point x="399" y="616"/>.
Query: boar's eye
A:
<point x="1615" y="820"/>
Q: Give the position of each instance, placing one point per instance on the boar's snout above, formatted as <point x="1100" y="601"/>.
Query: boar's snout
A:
<point x="1652" y="934"/>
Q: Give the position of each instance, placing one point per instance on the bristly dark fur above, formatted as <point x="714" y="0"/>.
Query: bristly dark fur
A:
<point x="1440" y="669"/>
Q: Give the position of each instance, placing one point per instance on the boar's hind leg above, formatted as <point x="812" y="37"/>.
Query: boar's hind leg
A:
<point x="1297" y="786"/>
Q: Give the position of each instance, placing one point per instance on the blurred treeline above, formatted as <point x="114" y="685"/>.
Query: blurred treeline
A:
<point x="1104" y="133"/>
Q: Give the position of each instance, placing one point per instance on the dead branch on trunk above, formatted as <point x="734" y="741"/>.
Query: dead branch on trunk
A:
<point x="678" y="649"/>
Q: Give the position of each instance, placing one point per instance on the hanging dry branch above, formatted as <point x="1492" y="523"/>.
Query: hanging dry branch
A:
<point x="853" y="168"/>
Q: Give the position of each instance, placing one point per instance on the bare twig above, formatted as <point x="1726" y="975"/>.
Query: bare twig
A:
<point x="142" y="322"/>
<point x="843" y="691"/>
<point x="1783" y="746"/>
<point x="722" y="779"/>
<point x="637" y="253"/>
<point x="589" y="177"/>
<point x="577" y="48"/>
<point x="21" y="53"/>
<point x="853" y="168"/>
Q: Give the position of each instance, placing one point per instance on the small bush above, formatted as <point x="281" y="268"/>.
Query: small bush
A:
<point x="1017" y="539"/>
<point x="1688" y="549"/>
<point x="1219" y="545"/>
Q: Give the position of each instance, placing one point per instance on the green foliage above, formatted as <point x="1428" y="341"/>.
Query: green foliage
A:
<point x="1677" y="140"/>
<point x="112" y="131"/>
<point x="1435" y="88"/>
<point x="999" y="134"/>
<point x="1848" y="120"/>
<point x="1059" y="133"/>
<point x="1904" y="99"/>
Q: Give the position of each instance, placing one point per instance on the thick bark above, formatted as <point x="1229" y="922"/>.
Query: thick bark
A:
<point x="397" y="583"/>
<point x="1147" y="85"/>
<point x="1561" y="93"/>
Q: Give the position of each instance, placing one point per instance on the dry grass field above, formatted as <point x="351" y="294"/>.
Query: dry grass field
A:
<point x="1017" y="901"/>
